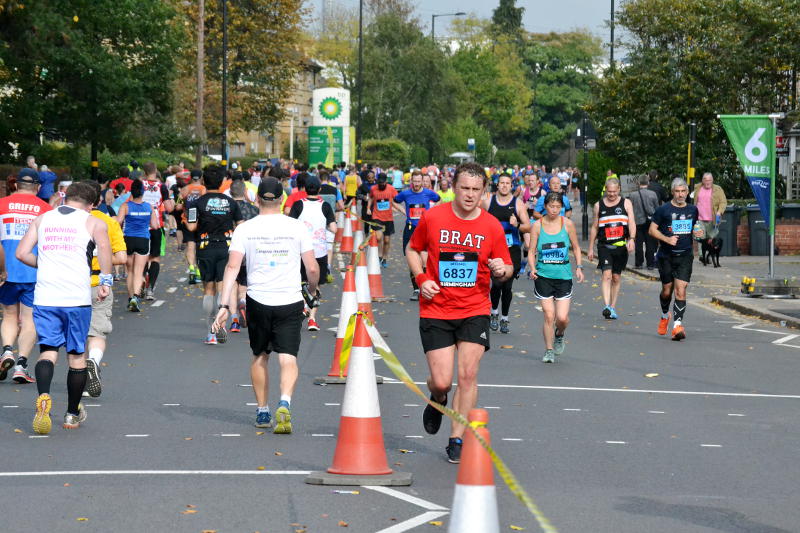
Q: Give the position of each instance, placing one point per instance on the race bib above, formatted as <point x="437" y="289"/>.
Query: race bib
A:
<point x="458" y="269"/>
<point x="383" y="205"/>
<point x="614" y="232"/>
<point x="509" y="239"/>
<point x="415" y="211"/>
<point x="681" y="227"/>
<point x="554" y="253"/>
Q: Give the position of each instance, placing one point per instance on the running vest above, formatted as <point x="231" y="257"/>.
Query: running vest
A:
<point x="612" y="223"/>
<point x="503" y="214"/>
<point x="65" y="251"/>
<point x="552" y="254"/>
<point x="531" y="199"/>
<point x="350" y="185"/>
<point x="315" y="221"/>
<point x="152" y="195"/>
<point x="137" y="220"/>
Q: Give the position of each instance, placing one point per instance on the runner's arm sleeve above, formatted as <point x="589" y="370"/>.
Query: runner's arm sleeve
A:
<point x="296" y="210"/>
<point x="327" y="210"/>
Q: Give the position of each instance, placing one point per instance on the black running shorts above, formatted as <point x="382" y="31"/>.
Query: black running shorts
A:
<point x="614" y="258"/>
<point x="546" y="288"/>
<point x="274" y="328"/>
<point x="212" y="261"/>
<point x="156" y="238"/>
<point x="674" y="267"/>
<point x="437" y="333"/>
<point x="137" y="245"/>
<point x="387" y="228"/>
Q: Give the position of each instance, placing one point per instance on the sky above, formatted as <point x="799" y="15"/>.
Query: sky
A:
<point x="539" y="16"/>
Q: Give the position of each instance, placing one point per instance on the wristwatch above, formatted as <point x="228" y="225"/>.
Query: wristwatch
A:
<point x="225" y="306"/>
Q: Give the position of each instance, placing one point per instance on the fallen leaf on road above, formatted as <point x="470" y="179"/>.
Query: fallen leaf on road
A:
<point x="401" y="450"/>
<point x="209" y="531"/>
<point x="131" y="356"/>
<point x="214" y="381"/>
<point x="517" y="528"/>
<point x="523" y="351"/>
<point x="641" y="353"/>
<point x="17" y="431"/>
<point x="66" y="484"/>
<point x="187" y="438"/>
<point x="189" y="511"/>
<point x="259" y="432"/>
<point x="506" y="346"/>
<point x="261" y="468"/>
<point x="190" y="506"/>
<point x="278" y="453"/>
<point x="82" y="519"/>
<point x="342" y="523"/>
<point x="436" y="523"/>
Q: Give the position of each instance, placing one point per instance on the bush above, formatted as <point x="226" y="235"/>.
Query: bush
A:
<point x="419" y="156"/>
<point x="599" y="163"/>
<point x="454" y="135"/>
<point x="385" y="152"/>
<point x="513" y="156"/>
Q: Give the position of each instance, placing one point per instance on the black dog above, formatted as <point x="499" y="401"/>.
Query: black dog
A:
<point x="710" y="249"/>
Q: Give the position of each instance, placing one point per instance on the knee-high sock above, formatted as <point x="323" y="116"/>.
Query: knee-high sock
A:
<point x="44" y="376"/>
<point x="664" y="303"/>
<point x="76" y="382"/>
<point x="678" y="309"/>
<point x="155" y="268"/>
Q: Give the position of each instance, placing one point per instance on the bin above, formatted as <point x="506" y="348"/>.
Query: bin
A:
<point x="728" y="228"/>
<point x="790" y="211"/>
<point x="759" y="231"/>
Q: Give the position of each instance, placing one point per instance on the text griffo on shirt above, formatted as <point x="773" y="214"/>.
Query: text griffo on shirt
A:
<point x="458" y="254"/>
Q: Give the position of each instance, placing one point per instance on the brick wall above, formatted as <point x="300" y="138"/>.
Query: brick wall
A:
<point x="787" y="237"/>
<point x="743" y="238"/>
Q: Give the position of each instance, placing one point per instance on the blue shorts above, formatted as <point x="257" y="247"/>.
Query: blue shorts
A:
<point x="12" y="293"/>
<point x="60" y="326"/>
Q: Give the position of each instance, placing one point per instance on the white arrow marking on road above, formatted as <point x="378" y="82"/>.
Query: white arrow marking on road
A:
<point x="571" y="409"/>
<point x="736" y="414"/>
<point x="780" y="342"/>
<point x="407" y="498"/>
<point x="656" y="412"/>
<point x="411" y="523"/>
<point x="230" y="435"/>
<point x="785" y="339"/>
<point x="172" y="289"/>
<point x="10" y="406"/>
<point x="332" y="329"/>
<point x="158" y="303"/>
<point x="182" y="279"/>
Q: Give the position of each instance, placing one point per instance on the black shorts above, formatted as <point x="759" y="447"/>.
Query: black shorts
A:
<point x="137" y="245"/>
<point x="212" y="261"/>
<point x="516" y="258"/>
<point x="614" y="259"/>
<point x="323" y="270"/>
<point x="156" y="236"/>
<point x="188" y="236"/>
<point x="274" y="328"/>
<point x="674" y="267"/>
<point x="387" y="228"/>
<point x="546" y="288"/>
<point x="408" y="231"/>
<point x="437" y="333"/>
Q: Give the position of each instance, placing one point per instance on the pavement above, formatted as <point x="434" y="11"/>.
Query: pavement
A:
<point x="627" y="432"/>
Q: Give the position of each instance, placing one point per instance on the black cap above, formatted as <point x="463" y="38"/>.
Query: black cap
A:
<point x="196" y="174"/>
<point x="312" y="184"/>
<point x="270" y="189"/>
<point x="28" y="175"/>
<point x="382" y="178"/>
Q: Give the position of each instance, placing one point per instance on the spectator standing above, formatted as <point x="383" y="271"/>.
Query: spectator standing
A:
<point x="645" y="202"/>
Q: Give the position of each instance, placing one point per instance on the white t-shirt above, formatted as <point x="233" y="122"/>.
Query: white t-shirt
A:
<point x="272" y="246"/>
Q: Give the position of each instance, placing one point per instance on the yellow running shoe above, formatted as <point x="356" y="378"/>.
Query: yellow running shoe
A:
<point x="283" y="418"/>
<point x="41" y="422"/>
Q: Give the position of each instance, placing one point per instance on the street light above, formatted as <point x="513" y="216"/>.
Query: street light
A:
<point x="225" y="84"/>
<point x="611" y="59"/>
<point x="433" y="21"/>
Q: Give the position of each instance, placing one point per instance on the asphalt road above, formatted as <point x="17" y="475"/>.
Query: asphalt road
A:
<point x="709" y="444"/>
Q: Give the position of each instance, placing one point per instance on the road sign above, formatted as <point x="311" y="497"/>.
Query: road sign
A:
<point x="471" y="144"/>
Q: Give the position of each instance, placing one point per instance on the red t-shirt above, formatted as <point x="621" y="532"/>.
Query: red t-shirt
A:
<point x="382" y="203"/>
<point x="458" y="255"/>
<point x="125" y="181"/>
<point x="294" y="197"/>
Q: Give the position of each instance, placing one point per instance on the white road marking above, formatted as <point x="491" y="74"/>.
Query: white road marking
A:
<point x="230" y="435"/>
<point x="244" y="385"/>
<point x="322" y="434"/>
<point x="332" y="329"/>
<point x="251" y="404"/>
<point x="711" y="446"/>
<point x="745" y="328"/>
<point x="10" y="406"/>
<point x="512" y="440"/>
<point x="38" y="436"/>
<point x="785" y="339"/>
<point x="656" y="412"/>
<point x="92" y="405"/>
<point x="158" y="303"/>
<point x="616" y="442"/>
<point x="411" y="523"/>
<point x="490" y="407"/>
<point x="172" y="289"/>
<point x="156" y="473"/>
<point x="138" y="436"/>
<point x="335" y="315"/>
<point x="333" y="404"/>
<point x="736" y="414"/>
<point x="182" y="279"/>
<point x="571" y="409"/>
<point x="407" y="498"/>
<point x="170" y="404"/>
<point x="414" y="437"/>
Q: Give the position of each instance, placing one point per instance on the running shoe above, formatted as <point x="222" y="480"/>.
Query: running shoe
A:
<point x="312" y="325"/>
<point x="263" y="419"/>
<point x="41" y="421"/>
<point x="211" y="339"/>
<point x="242" y="313"/>
<point x="6" y="362"/>
<point x="549" y="356"/>
<point x="613" y="314"/>
<point x="607" y="312"/>
<point x="235" y="327"/>
<point x="384" y="263"/>
<point x="149" y="294"/>
<point x="504" y="326"/>
<point x="678" y="333"/>
<point x="192" y="279"/>
<point x="432" y="418"/>
<point x="663" y="325"/>
<point x="22" y="376"/>
<point x="558" y="344"/>
<point x="133" y="304"/>
<point x="414" y="295"/>
<point x="283" y="418"/>
<point x="493" y="324"/>
<point x="454" y="450"/>
<point x="93" y="386"/>
<point x="222" y="335"/>
<point x="74" y="421"/>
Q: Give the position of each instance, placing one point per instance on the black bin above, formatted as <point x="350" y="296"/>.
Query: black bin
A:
<point x="790" y="211"/>
<point x="728" y="228"/>
<point x="759" y="231"/>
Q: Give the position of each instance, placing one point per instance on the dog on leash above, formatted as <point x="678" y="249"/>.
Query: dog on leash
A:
<point x="710" y="249"/>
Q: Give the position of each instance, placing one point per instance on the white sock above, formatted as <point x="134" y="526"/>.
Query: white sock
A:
<point x="208" y="304"/>
<point x="264" y="409"/>
<point x="96" y="355"/>
<point x="495" y="312"/>
<point x="286" y="398"/>
<point x="504" y="317"/>
<point x="676" y="323"/>
<point x="665" y="315"/>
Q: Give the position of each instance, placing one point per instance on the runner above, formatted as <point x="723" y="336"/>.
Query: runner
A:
<point x="319" y="218"/>
<point x="217" y="215"/>
<point x="333" y="197"/>
<point x="511" y="213"/>
<point x="17" y="211"/>
<point x="273" y="246"/>
<point x="379" y="209"/>
<point x="157" y="195"/>
<point x="614" y="229"/>
<point x="350" y="186"/>
<point x="238" y="191"/>
<point x="190" y="193"/>
<point x="445" y="191"/>
<point x="672" y="226"/>
<point x="551" y="238"/>
<point x="63" y="296"/>
<point x="417" y="200"/>
<point x="555" y="186"/>
<point x="136" y="217"/>
<point x="466" y="247"/>
<point x="100" y="325"/>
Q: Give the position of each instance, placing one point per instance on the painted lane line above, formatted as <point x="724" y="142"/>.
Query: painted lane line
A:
<point x="656" y="412"/>
<point x="711" y="445"/>
<point x="334" y="315"/>
<point x="172" y="289"/>
<point x="332" y="329"/>
<point x="490" y="407"/>
<point x="333" y="404"/>
<point x="322" y="434"/>
<point x="509" y="439"/>
<point x="10" y="406"/>
<point x="414" y="437"/>
<point x="230" y="435"/>
<point x="156" y="473"/>
<point x="736" y="414"/>
<point x="410" y="405"/>
<point x="616" y="442"/>
<point x="182" y="279"/>
<point x="38" y="436"/>
<point x="92" y="405"/>
<point x="787" y="338"/>
<point x="413" y="500"/>
<point x="571" y="410"/>
<point x="244" y="385"/>
<point x="251" y="404"/>
<point x="158" y="303"/>
<point x="744" y="327"/>
<point x="170" y="404"/>
<point x="412" y="523"/>
<point x="138" y="436"/>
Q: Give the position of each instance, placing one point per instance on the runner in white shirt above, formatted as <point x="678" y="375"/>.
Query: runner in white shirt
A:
<point x="273" y="245"/>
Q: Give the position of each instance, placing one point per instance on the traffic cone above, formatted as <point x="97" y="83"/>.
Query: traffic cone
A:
<point x="348" y="307"/>
<point x="346" y="246"/>
<point x="339" y="227"/>
<point x="374" y="269"/>
<point x="358" y="233"/>
<point x="475" y="499"/>
<point x="360" y="456"/>
<point x="363" y="295"/>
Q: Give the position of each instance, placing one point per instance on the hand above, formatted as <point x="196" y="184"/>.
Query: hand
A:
<point x="672" y="241"/>
<point x="630" y="245"/>
<point x="532" y="274"/>
<point x="3" y="277"/>
<point x="497" y="266"/>
<point x="429" y="289"/>
<point x="590" y="255"/>
<point x="220" y="320"/>
<point x="579" y="275"/>
<point x="513" y="221"/>
<point x="369" y="212"/>
<point x="102" y="292"/>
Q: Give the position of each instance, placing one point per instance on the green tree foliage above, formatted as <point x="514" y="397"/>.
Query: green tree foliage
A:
<point x="690" y="60"/>
<point x="507" y="18"/>
<point x="82" y="71"/>
<point x="562" y="69"/>
<point x="385" y="152"/>
<point x="454" y="137"/>
<point x="599" y="163"/>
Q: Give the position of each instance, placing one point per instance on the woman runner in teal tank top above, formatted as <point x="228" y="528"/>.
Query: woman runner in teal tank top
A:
<point x="551" y="238"/>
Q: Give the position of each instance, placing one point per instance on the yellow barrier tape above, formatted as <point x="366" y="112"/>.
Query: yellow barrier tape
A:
<point x="400" y="372"/>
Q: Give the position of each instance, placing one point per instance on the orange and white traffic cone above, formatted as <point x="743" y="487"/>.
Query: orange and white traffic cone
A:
<point x="475" y="499"/>
<point x="358" y="233"/>
<point x="374" y="269"/>
<point x="346" y="246"/>
<point x="360" y="456"/>
<point x="363" y="295"/>
<point x="346" y="310"/>
<point x="339" y="227"/>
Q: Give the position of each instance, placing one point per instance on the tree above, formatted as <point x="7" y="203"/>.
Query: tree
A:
<point x="337" y="47"/>
<point x="454" y="137"/>
<point x="81" y="71"/>
<point x="507" y="18"/>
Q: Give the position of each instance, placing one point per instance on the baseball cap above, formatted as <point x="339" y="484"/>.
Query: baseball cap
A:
<point x="312" y="184"/>
<point x="197" y="174"/>
<point x="382" y="178"/>
<point x="270" y="189"/>
<point x="28" y="175"/>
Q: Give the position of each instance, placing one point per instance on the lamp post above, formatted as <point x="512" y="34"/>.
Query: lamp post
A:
<point x="611" y="59"/>
<point x="433" y="21"/>
<point x="359" y="79"/>
<point x="225" y="84"/>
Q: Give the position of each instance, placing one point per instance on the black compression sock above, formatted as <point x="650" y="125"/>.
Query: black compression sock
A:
<point x="44" y="375"/>
<point x="23" y="362"/>
<point x="665" y="303"/>
<point x="155" y="268"/>
<point x="76" y="383"/>
<point x="8" y="348"/>
<point x="678" y="309"/>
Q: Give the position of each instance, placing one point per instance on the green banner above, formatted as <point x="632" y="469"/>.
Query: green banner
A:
<point x="325" y="144"/>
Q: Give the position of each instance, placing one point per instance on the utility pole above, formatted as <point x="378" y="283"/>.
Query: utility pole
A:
<point x="611" y="61"/>
<point x="360" y="80"/>
<point x="225" y="84"/>
<point x="199" y="129"/>
<point x="585" y="215"/>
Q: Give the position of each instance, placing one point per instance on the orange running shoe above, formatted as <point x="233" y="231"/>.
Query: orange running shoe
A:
<point x="663" y="324"/>
<point x="678" y="333"/>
